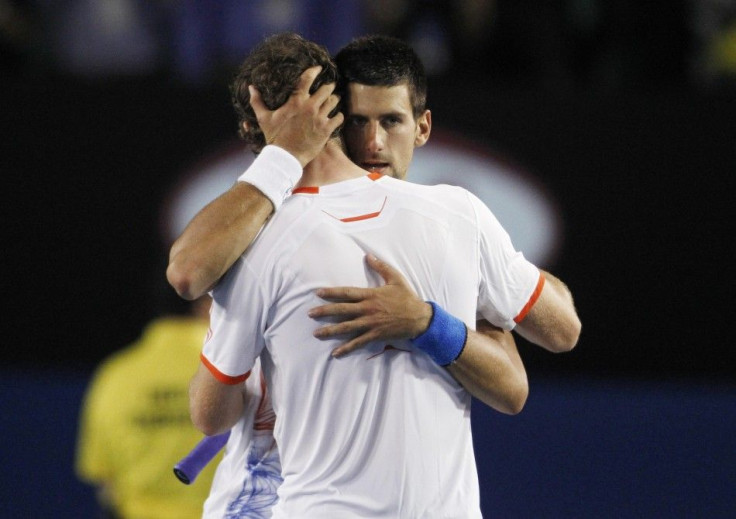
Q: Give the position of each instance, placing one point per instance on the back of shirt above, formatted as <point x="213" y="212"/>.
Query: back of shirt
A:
<point x="383" y="431"/>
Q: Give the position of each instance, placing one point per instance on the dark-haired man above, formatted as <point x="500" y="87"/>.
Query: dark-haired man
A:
<point x="381" y="135"/>
<point x="385" y="90"/>
<point x="383" y="431"/>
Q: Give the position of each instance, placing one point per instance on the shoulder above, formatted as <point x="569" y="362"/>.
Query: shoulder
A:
<point x="439" y="197"/>
<point x="435" y="191"/>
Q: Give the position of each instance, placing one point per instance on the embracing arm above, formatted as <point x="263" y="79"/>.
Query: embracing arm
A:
<point x="214" y="406"/>
<point x="552" y="321"/>
<point x="489" y="367"/>
<point x="224" y="229"/>
<point x="215" y="238"/>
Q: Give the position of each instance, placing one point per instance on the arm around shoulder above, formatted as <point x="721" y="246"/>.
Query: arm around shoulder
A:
<point x="215" y="239"/>
<point x="552" y="322"/>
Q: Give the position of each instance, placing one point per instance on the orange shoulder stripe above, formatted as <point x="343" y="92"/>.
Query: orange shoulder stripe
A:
<point x="532" y="300"/>
<point x="220" y="376"/>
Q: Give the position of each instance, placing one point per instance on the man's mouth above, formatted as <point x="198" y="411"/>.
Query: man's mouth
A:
<point x="375" y="167"/>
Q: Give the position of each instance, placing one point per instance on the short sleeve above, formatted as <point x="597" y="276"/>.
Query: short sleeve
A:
<point x="508" y="281"/>
<point x="237" y="325"/>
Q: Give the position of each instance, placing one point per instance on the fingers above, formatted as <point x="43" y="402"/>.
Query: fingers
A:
<point x="330" y="330"/>
<point x="256" y="102"/>
<point x="323" y="94"/>
<point x="327" y="108"/>
<point x="388" y="273"/>
<point x="306" y="80"/>
<point x="343" y="293"/>
<point x="329" y="104"/>
<point x="351" y="346"/>
<point x="335" y="121"/>
<point x="336" y="309"/>
<point x="326" y="102"/>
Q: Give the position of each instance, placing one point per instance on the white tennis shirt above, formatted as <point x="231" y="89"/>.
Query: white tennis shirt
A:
<point x="383" y="432"/>
<point x="248" y="477"/>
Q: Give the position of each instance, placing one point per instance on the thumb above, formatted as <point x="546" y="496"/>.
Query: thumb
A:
<point x="256" y="102"/>
<point x="389" y="274"/>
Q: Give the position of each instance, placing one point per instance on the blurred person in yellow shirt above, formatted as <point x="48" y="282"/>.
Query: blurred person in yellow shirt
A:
<point x="135" y="422"/>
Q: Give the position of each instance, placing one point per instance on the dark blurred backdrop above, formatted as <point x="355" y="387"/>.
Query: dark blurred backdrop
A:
<point x="625" y="112"/>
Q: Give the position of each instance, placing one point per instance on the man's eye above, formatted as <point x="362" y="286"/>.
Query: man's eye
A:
<point x="391" y="121"/>
<point x="353" y="121"/>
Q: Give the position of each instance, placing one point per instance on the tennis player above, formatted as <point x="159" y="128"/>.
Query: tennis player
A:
<point x="384" y="430"/>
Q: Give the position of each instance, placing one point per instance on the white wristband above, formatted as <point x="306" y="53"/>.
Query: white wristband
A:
<point x="274" y="173"/>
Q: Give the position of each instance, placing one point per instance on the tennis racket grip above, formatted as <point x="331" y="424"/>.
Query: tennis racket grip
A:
<point x="192" y="464"/>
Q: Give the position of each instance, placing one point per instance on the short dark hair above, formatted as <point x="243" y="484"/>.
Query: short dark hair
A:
<point x="274" y="68"/>
<point x="380" y="60"/>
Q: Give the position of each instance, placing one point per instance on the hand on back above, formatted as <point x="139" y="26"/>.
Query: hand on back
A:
<point x="302" y="125"/>
<point x="391" y="311"/>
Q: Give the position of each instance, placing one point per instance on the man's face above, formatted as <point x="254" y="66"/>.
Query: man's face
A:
<point x="380" y="131"/>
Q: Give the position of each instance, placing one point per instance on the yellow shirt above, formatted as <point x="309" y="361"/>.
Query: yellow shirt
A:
<point x="135" y="424"/>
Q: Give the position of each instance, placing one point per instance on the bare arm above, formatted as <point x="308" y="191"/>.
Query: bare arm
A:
<point x="489" y="367"/>
<point x="224" y="229"/>
<point x="215" y="238"/>
<point x="214" y="407"/>
<point x="552" y="322"/>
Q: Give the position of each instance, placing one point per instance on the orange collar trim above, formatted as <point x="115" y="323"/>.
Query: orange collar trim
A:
<point x="307" y="190"/>
<point x="314" y="190"/>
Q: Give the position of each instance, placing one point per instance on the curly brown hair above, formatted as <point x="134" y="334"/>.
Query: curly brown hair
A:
<point x="274" y="68"/>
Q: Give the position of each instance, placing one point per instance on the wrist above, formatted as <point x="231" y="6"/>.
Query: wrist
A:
<point x="423" y="319"/>
<point x="274" y="172"/>
<point x="445" y="337"/>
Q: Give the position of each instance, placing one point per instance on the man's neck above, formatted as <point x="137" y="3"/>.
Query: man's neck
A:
<point x="330" y="166"/>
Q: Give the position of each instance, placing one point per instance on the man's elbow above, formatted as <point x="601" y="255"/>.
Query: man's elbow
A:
<point x="512" y="399"/>
<point x="515" y="403"/>
<point x="207" y="422"/>
<point x="567" y="336"/>
<point x="181" y="281"/>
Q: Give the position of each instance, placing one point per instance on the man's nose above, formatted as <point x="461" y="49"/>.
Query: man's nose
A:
<point x="375" y="138"/>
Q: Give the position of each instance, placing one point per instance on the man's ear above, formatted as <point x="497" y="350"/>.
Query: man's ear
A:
<point x="424" y="128"/>
<point x="246" y="126"/>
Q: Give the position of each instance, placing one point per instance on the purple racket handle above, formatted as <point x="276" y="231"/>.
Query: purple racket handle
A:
<point x="190" y="466"/>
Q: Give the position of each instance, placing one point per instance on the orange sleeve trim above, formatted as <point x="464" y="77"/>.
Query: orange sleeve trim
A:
<point x="225" y="379"/>
<point x="305" y="190"/>
<point x="532" y="299"/>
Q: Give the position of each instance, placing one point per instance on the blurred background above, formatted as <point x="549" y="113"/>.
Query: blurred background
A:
<point x="603" y="134"/>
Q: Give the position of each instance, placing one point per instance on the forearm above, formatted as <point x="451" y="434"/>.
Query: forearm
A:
<point x="216" y="238"/>
<point x="491" y="370"/>
<point x="221" y="232"/>
<point x="214" y="407"/>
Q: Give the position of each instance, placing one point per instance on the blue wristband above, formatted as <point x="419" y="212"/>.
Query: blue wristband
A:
<point x="444" y="339"/>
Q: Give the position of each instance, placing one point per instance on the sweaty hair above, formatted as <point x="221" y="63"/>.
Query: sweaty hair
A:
<point x="380" y="60"/>
<point x="274" y="68"/>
